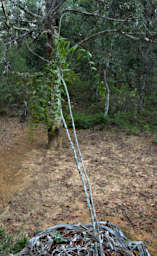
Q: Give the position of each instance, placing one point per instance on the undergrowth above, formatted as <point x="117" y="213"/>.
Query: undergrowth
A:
<point x="132" y="123"/>
<point x="10" y="243"/>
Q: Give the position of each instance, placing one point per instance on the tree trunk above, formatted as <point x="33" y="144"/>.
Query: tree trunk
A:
<point x="107" y="98"/>
<point x="54" y="130"/>
<point x="55" y="136"/>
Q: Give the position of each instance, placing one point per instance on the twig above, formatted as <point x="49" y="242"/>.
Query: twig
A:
<point x="34" y="53"/>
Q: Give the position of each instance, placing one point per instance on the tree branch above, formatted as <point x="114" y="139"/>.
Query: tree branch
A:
<point x="58" y="6"/>
<point x="97" y="15"/>
<point x="11" y="25"/>
<point x="27" y="11"/>
<point x="19" y="38"/>
<point x="20" y="29"/>
<point x="34" y="53"/>
<point x="53" y="9"/>
<point x="5" y="15"/>
<point x="131" y="36"/>
<point x="97" y="34"/>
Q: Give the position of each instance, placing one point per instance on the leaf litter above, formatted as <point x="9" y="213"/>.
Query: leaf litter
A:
<point x="72" y="240"/>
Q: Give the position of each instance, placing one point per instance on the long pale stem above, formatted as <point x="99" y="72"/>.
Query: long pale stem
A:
<point x="89" y="197"/>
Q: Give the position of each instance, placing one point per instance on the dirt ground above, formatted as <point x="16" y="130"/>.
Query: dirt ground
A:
<point x="40" y="188"/>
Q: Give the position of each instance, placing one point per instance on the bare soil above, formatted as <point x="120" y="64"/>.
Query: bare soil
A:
<point x="40" y="188"/>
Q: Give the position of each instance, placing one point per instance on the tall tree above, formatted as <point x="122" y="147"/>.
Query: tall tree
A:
<point x="28" y="21"/>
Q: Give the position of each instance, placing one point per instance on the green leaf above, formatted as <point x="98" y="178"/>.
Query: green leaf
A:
<point x="91" y="63"/>
<point x="66" y="69"/>
<point x="58" y="238"/>
<point x="89" y="54"/>
<point x="93" y="68"/>
<point x="73" y="49"/>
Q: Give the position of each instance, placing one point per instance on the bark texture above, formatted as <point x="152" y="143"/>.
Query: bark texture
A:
<point x="54" y="131"/>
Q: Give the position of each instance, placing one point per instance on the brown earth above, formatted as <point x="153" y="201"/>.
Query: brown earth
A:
<point x="40" y="188"/>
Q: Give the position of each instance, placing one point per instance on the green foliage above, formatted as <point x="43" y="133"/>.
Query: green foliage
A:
<point x="14" y="88"/>
<point x="58" y="238"/>
<point x="126" y="121"/>
<point x="131" y="64"/>
<point x="45" y="94"/>
<point x="85" y="121"/>
<point x="131" y="122"/>
<point x="45" y="89"/>
<point x="12" y="92"/>
<point x="10" y="243"/>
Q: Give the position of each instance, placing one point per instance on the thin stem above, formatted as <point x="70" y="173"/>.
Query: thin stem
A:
<point x="89" y="197"/>
<point x="107" y="94"/>
<point x="81" y="175"/>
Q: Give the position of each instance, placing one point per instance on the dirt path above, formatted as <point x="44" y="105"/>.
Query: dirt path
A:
<point x="40" y="188"/>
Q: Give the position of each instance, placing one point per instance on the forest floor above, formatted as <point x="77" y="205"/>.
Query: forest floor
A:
<point x="40" y="188"/>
